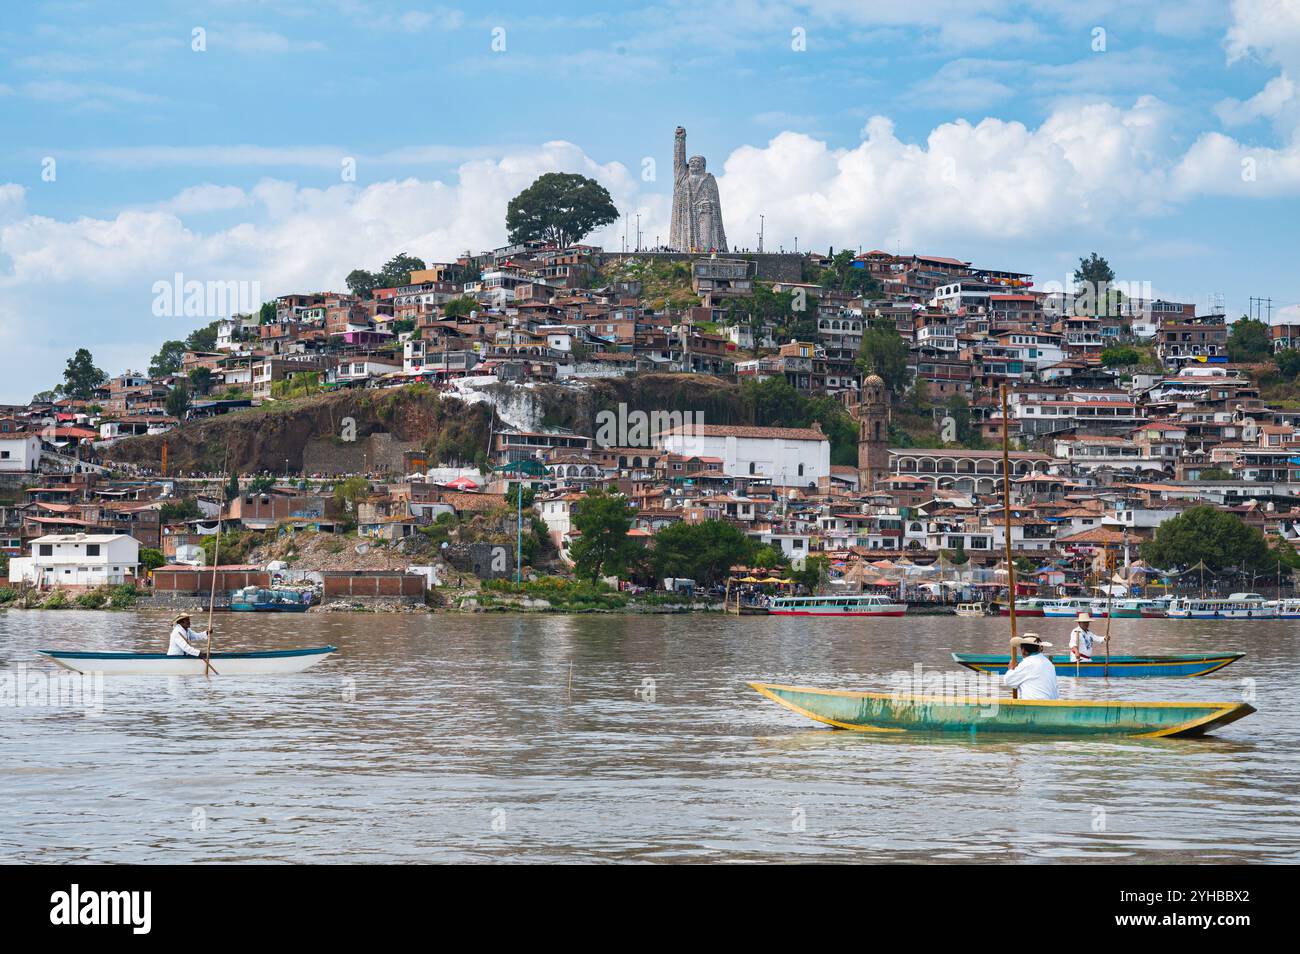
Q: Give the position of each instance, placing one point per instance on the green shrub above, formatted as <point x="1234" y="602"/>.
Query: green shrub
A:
<point x="7" y="595"/>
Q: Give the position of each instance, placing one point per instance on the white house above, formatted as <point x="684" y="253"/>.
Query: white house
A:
<point x="788" y="456"/>
<point x="20" y="453"/>
<point x="78" y="560"/>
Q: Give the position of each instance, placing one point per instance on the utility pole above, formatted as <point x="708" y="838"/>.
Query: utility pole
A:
<point x="761" y="224"/>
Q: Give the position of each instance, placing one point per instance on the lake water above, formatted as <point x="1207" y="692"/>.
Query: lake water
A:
<point x="458" y="738"/>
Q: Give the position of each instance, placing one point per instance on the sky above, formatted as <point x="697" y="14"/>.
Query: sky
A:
<point x="279" y="145"/>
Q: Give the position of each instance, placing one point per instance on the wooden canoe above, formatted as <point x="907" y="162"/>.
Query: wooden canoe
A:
<point x="897" y="712"/>
<point x="1190" y="664"/>
<point x="160" y="664"/>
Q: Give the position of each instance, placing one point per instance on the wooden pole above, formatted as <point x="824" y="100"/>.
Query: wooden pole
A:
<point x="212" y="595"/>
<point x="1110" y="573"/>
<point x="1006" y="524"/>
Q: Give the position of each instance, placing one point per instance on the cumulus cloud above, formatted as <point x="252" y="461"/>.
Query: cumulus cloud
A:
<point x="96" y="275"/>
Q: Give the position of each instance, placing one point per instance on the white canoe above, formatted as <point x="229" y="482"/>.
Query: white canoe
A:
<point x="160" y="664"/>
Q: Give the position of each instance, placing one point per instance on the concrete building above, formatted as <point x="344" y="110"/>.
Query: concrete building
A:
<point x="788" y="456"/>
<point x="78" y="561"/>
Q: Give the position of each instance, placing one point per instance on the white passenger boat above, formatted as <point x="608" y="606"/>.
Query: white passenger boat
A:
<point x="1286" y="609"/>
<point x="1070" y="607"/>
<point x="970" y="609"/>
<point x="868" y="605"/>
<point x="1236" y="606"/>
<point x="160" y="664"/>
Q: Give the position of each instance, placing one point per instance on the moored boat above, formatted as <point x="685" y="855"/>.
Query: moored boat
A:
<point x="1190" y="664"/>
<point x="1236" y="606"/>
<point x="160" y="664"/>
<point x="894" y="712"/>
<point x="865" y="605"/>
<point x="969" y="609"/>
<point x="1067" y="607"/>
<point x="1033" y="606"/>
<point x="1287" y="608"/>
<point x="257" y="599"/>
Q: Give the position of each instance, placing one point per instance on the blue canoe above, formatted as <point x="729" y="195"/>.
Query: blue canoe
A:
<point x="1190" y="664"/>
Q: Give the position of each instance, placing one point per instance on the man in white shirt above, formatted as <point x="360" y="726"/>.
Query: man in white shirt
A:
<point x="1082" y="638"/>
<point x="1035" y="675"/>
<point x="184" y="638"/>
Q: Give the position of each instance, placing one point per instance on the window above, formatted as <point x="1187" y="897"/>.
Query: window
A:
<point x="46" y="549"/>
<point x="92" y="549"/>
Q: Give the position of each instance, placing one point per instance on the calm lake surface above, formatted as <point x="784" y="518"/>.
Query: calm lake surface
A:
<point x="456" y="738"/>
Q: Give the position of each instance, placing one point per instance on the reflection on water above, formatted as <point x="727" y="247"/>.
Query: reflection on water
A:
<point x="459" y="738"/>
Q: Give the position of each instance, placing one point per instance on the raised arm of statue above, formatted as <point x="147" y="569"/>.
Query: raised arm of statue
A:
<point x="679" y="153"/>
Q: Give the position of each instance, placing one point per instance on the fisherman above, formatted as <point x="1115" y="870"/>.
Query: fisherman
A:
<point x="1035" y="675"/>
<point x="184" y="638"/>
<point x="1082" y="638"/>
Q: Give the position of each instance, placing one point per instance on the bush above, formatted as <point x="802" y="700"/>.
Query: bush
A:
<point x="122" y="596"/>
<point x="7" y="595"/>
<point x="92" y="599"/>
<point x="563" y="593"/>
<point x="56" y="600"/>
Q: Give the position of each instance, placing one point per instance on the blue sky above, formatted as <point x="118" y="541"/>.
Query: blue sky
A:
<point x="1017" y="135"/>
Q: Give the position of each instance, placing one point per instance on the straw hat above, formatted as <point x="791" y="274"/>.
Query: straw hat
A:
<point x="1030" y="639"/>
<point x="181" y="617"/>
<point x="1083" y="618"/>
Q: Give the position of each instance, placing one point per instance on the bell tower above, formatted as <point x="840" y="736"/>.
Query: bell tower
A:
<point x="872" y="414"/>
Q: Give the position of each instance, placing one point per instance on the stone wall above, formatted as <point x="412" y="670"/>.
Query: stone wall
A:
<point x="391" y="584"/>
<point x="375" y="452"/>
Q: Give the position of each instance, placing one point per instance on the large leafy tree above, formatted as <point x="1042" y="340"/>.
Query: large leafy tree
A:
<point x="703" y="552"/>
<point x="604" y="548"/>
<point x="177" y="400"/>
<point x="1219" y="538"/>
<point x="884" y="352"/>
<point x="1249" y="340"/>
<point x="397" y="270"/>
<point x="167" y="360"/>
<point x="1092" y="281"/>
<point x="362" y="283"/>
<point x="560" y="207"/>
<point x="81" y="377"/>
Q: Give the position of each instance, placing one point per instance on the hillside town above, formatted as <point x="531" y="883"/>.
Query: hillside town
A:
<point x="852" y="440"/>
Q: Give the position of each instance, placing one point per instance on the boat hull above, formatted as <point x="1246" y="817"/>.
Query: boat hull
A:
<point x="160" y="664"/>
<point x="266" y="608"/>
<point x="1119" y="667"/>
<point x="882" y="611"/>
<point x="890" y="712"/>
<point x="1021" y="613"/>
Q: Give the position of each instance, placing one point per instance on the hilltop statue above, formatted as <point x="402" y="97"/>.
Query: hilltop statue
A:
<point x="697" y="210"/>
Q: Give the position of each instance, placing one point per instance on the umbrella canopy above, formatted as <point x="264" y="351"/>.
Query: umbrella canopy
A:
<point x="462" y="483"/>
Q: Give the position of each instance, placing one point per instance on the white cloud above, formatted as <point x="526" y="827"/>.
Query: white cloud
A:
<point x="1277" y="95"/>
<point x="95" y="275"/>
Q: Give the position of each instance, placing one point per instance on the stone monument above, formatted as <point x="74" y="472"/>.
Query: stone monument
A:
<point x="697" y="210"/>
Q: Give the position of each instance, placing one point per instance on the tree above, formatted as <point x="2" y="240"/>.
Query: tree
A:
<point x="201" y="379"/>
<point x="80" y="376"/>
<point x="362" y="283"/>
<point x="1214" y="473"/>
<point x="559" y="207"/>
<point x="704" y="552"/>
<point x="1288" y="362"/>
<point x="177" y="400"/>
<point x="261" y="484"/>
<point x="1219" y="538"/>
<point x="266" y="314"/>
<point x="966" y="434"/>
<point x="232" y="487"/>
<point x="843" y="275"/>
<point x="604" y="549"/>
<point x="1092" y="282"/>
<point x="348" y="493"/>
<point x="1121" y="356"/>
<point x="203" y="339"/>
<point x="1249" y="340"/>
<point x="151" y="558"/>
<point x="167" y="360"/>
<point x="884" y="352"/>
<point x="397" y="270"/>
<point x="459" y="307"/>
<point x="814" y="572"/>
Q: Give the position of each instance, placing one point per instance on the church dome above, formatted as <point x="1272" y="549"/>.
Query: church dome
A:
<point x="873" y="381"/>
